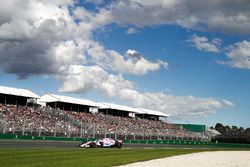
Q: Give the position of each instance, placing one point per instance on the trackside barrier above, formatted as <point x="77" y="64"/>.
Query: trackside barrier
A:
<point x="21" y="137"/>
<point x="173" y="142"/>
<point x="186" y="142"/>
<point x="182" y="142"/>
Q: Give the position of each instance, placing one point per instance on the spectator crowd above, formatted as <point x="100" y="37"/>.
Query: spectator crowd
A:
<point x="54" y="122"/>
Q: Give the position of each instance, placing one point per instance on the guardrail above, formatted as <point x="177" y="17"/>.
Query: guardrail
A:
<point x="171" y="142"/>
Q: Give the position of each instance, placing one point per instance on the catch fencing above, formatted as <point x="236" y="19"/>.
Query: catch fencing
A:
<point x="61" y="124"/>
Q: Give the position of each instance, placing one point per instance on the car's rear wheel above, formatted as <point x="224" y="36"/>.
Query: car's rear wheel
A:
<point x="119" y="145"/>
<point x="92" y="145"/>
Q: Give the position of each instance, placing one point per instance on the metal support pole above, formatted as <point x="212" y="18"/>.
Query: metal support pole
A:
<point x="115" y="132"/>
<point x="81" y="131"/>
<point x="23" y="128"/>
<point x="55" y="130"/>
<point x="143" y="134"/>
<point x="93" y="131"/>
<point x="40" y="129"/>
<point x="31" y="129"/>
<point x="69" y="130"/>
<point x="14" y="129"/>
<point x="4" y="127"/>
<point x="84" y="130"/>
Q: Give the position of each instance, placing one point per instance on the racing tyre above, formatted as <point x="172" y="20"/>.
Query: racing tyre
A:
<point x="119" y="145"/>
<point x="92" y="145"/>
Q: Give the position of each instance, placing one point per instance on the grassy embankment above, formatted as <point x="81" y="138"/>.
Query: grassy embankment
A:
<point x="81" y="157"/>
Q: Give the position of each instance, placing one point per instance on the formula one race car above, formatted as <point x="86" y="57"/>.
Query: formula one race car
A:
<point x="102" y="143"/>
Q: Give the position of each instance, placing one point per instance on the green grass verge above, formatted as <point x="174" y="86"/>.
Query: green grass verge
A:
<point x="81" y="157"/>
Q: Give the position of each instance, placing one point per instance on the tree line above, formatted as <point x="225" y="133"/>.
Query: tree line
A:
<point x="232" y="134"/>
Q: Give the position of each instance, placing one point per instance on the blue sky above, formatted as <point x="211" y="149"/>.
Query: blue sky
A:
<point x="178" y="58"/>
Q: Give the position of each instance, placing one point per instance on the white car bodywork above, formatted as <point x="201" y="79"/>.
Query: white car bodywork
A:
<point x="105" y="142"/>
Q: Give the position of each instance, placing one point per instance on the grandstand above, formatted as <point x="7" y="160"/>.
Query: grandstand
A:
<point x="66" y="103"/>
<point x="16" y="96"/>
<point x="63" y="116"/>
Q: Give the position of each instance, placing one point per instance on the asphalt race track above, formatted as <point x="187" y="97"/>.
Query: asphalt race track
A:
<point x="72" y="144"/>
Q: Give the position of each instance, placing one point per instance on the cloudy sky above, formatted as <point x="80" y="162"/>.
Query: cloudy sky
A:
<point x="189" y="59"/>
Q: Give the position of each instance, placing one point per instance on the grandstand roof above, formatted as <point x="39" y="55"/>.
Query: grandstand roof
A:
<point x="66" y="99"/>
<point x="131" y="109"/>
<point x="18" y="92"/>
<point x="118" y="107"/>
<point x="153" y="112"/>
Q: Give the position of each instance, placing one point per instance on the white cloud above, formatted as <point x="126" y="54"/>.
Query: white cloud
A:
<point x="53" y="37"/>
<point x="97" y="2"/>
<point x="32" y="33"/>
<point x="132" y="31"/>
<point x="39" y="29"/>
<point x="79" y="79"/>
<point x="202" y="43"/>
<point x="208" y="15"/>
<point x="66" y="54"/>
<point x="131" y="52"/>
<point x="134" y="63"/>
<point x="238" y="55"/>
<point x="216" y="41"/>
<point x="93" y="20"/>
<point x="164" y="64"/>
<point x="176" y="106"/>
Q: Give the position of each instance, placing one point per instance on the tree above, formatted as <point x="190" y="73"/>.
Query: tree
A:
<point x="241" y="129"/>
<point x="227" y="128"/>
<point x="220" y="128"/>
